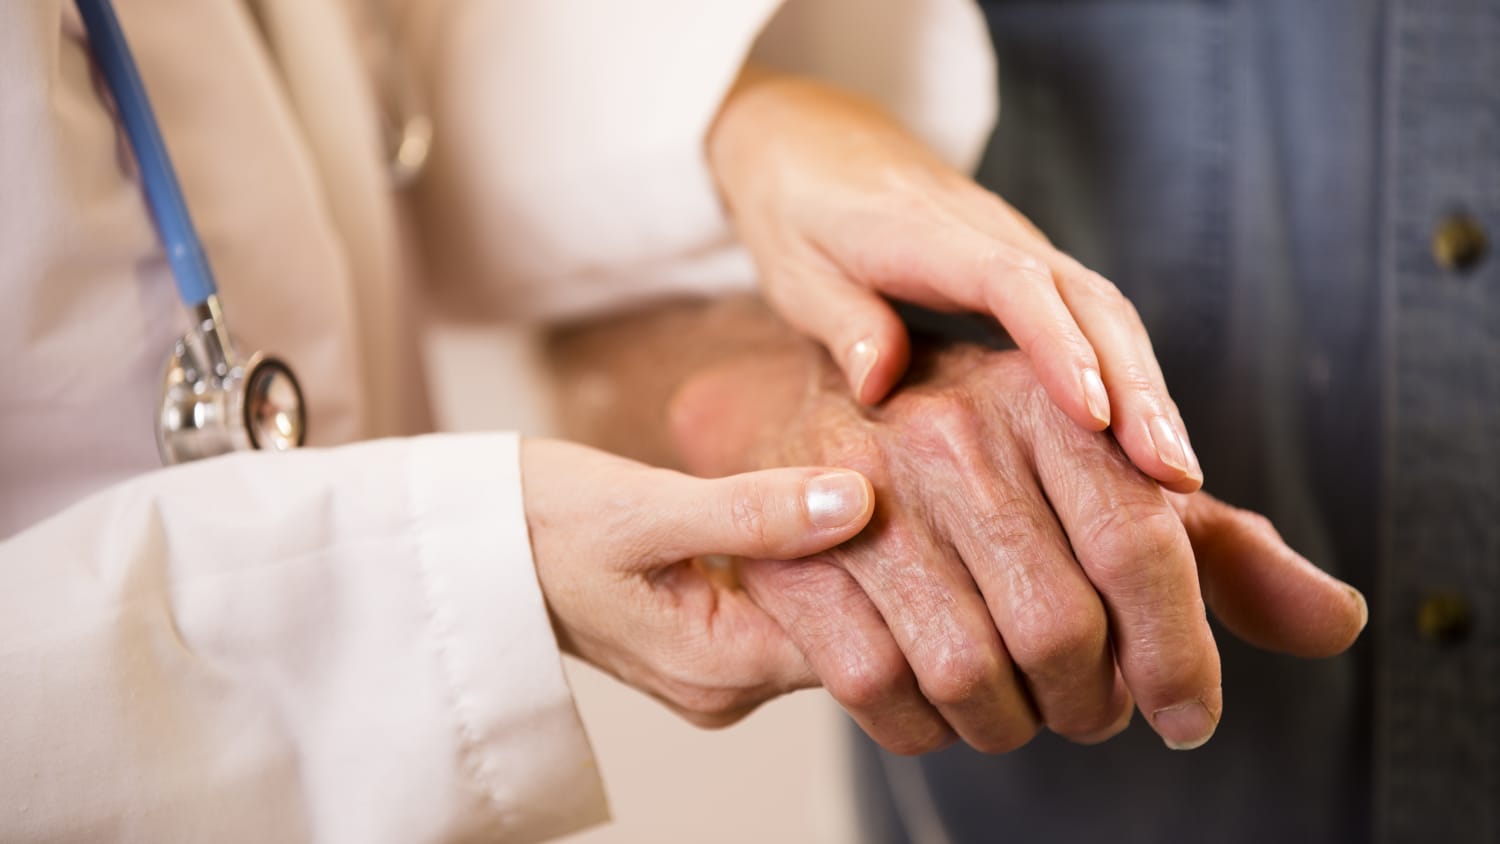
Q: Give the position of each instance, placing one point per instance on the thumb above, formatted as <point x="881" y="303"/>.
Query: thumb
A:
<point x="859" y="329"/>
<point x="777" y="514"/>
<point x="1263" y="591"/>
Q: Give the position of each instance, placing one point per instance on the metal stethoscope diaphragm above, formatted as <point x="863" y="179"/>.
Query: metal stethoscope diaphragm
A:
<point x="213" y="402"/>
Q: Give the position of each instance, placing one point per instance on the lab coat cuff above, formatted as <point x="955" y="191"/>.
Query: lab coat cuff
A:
<point x="521" y="742"/>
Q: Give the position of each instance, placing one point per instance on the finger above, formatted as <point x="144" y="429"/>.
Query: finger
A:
<point x="1133" y="548"/>
<point x="737" y="658"/>
<point x="1118" y="692"/>
<point x="1262" y="590"/>
<point x="627" y="599"/>
<point x="858" y="328"/>
<point x="1146" y="421"/>
<point x="943" y="628"/>
<point x="849" y="648"/>
<point x="971" y="270"/>
<point x="1144" y="418"/>
<point x="1049" y="616"/>
<point x="776" y="513"/>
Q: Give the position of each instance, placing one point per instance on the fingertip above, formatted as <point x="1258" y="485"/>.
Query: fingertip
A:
<point x="779" y="514"/>
<point x="1358" y="617"/>
<point x="859" y="366"/>
<point x="1180" y="483"/>
<point x="1363" y="609"/>
<point x="839" y="500"/>
<point x="1339" y="636"/>
<point x="1065" y="387"/>
<point x="1187" y="725"/>
<point x="1156" y="447"/>
<point x="1266" y="593"/>
<point x="876" y="363"/>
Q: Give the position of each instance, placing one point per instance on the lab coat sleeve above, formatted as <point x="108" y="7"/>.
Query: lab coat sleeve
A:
<point x="340" y="645"/>
<point x="569" y="175"/>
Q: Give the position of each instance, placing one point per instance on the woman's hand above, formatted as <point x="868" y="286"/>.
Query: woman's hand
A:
<point x="841" y="206"/>
<point x="620" y="553"/>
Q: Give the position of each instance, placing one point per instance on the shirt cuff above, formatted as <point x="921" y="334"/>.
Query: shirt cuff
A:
<point x="520" y="738"/>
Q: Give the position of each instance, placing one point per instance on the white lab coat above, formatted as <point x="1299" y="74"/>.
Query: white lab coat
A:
<point x="347" y="643"/>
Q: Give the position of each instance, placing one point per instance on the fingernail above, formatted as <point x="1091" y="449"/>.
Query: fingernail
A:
<point x="1364" y="608"/>
<point x="1185" y="726"/>
<point x="836" y="499"/>
<point x="1194" y="468"/>
<point x="1169" y="446"/>
<point x="862" y="358"/>
<point x="1095" y="396"/>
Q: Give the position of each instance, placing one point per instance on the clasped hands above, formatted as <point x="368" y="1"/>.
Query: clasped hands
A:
<point x="1015" y="572"/>
<point x="1022" y="546"/>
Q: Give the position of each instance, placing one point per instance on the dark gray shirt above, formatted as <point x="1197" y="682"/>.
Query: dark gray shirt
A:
<point x="1293" y="192"/>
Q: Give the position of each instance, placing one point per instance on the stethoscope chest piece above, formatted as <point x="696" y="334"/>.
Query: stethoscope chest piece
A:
<point x="213" y="404"/>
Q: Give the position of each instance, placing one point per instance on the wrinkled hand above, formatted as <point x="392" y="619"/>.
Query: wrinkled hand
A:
<point x="1018" y="571"/>
<point x="615" y="544"/>
<point x="840" y="206"/>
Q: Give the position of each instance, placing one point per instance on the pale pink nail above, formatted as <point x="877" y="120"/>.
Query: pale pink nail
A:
<point x="862" y="359"/>
<point x="1095" y="396"/>
<point x="835" y="499"/>
<point x="1185" y="726"/>
<point x="1169" y="445"/>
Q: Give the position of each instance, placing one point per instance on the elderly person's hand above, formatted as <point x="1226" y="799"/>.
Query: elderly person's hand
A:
<point x="1018" y="571"/>
<point x="617" y="544"/>
<point x="840" y="206"/>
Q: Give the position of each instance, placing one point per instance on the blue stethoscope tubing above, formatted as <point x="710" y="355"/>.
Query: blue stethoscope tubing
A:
<point x="185" y="253"/>
<point x="213" y="400"/>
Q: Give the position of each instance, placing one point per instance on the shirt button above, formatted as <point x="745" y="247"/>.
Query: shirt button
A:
<point x="1459" y="243"/>
<point x="1444" y="618"/>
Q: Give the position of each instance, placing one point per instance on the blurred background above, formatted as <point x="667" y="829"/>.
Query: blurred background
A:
<point x="780" y="775"/>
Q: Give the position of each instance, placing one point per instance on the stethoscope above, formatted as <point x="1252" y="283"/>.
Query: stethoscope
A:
<point x="214" y="400"/>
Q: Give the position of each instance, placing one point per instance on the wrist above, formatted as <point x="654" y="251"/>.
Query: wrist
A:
<point x="733" y="132"/>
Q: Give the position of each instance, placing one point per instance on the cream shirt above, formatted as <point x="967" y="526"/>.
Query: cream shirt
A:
<point x="347" y="643"/>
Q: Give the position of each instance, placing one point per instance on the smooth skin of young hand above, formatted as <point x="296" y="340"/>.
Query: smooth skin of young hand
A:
<point x="841" y="207"/>
<point x="618" y="548"/>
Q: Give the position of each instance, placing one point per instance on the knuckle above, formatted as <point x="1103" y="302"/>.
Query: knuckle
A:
<point x="1128" y="312"/>
<point x="748" y="510"/>
<point x="1137" y="378"/>
<point x="945" y="425"/>
<point x="1012" y="738"/>
<point x="712" y="707"/>
<point x="1102" y="290"/>
<point x="1030" y="267"/>
<point x="1126" y="543"/>
<point x="1104" y="295"/>
<point x="960" y="673"/>
<point x="1009" y="523"/>
<point x="1178" y="677"/>
<point x="1057" y="642"/>
<point x="918" y="745"/>
<point x="915" y="734"/>
<point x="1258" y="523"/>
<point x="1091" y="727"/>
<point x="867" y="684"/>
<point x="1001" y="265"/>
<point x="714" y="720"/>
